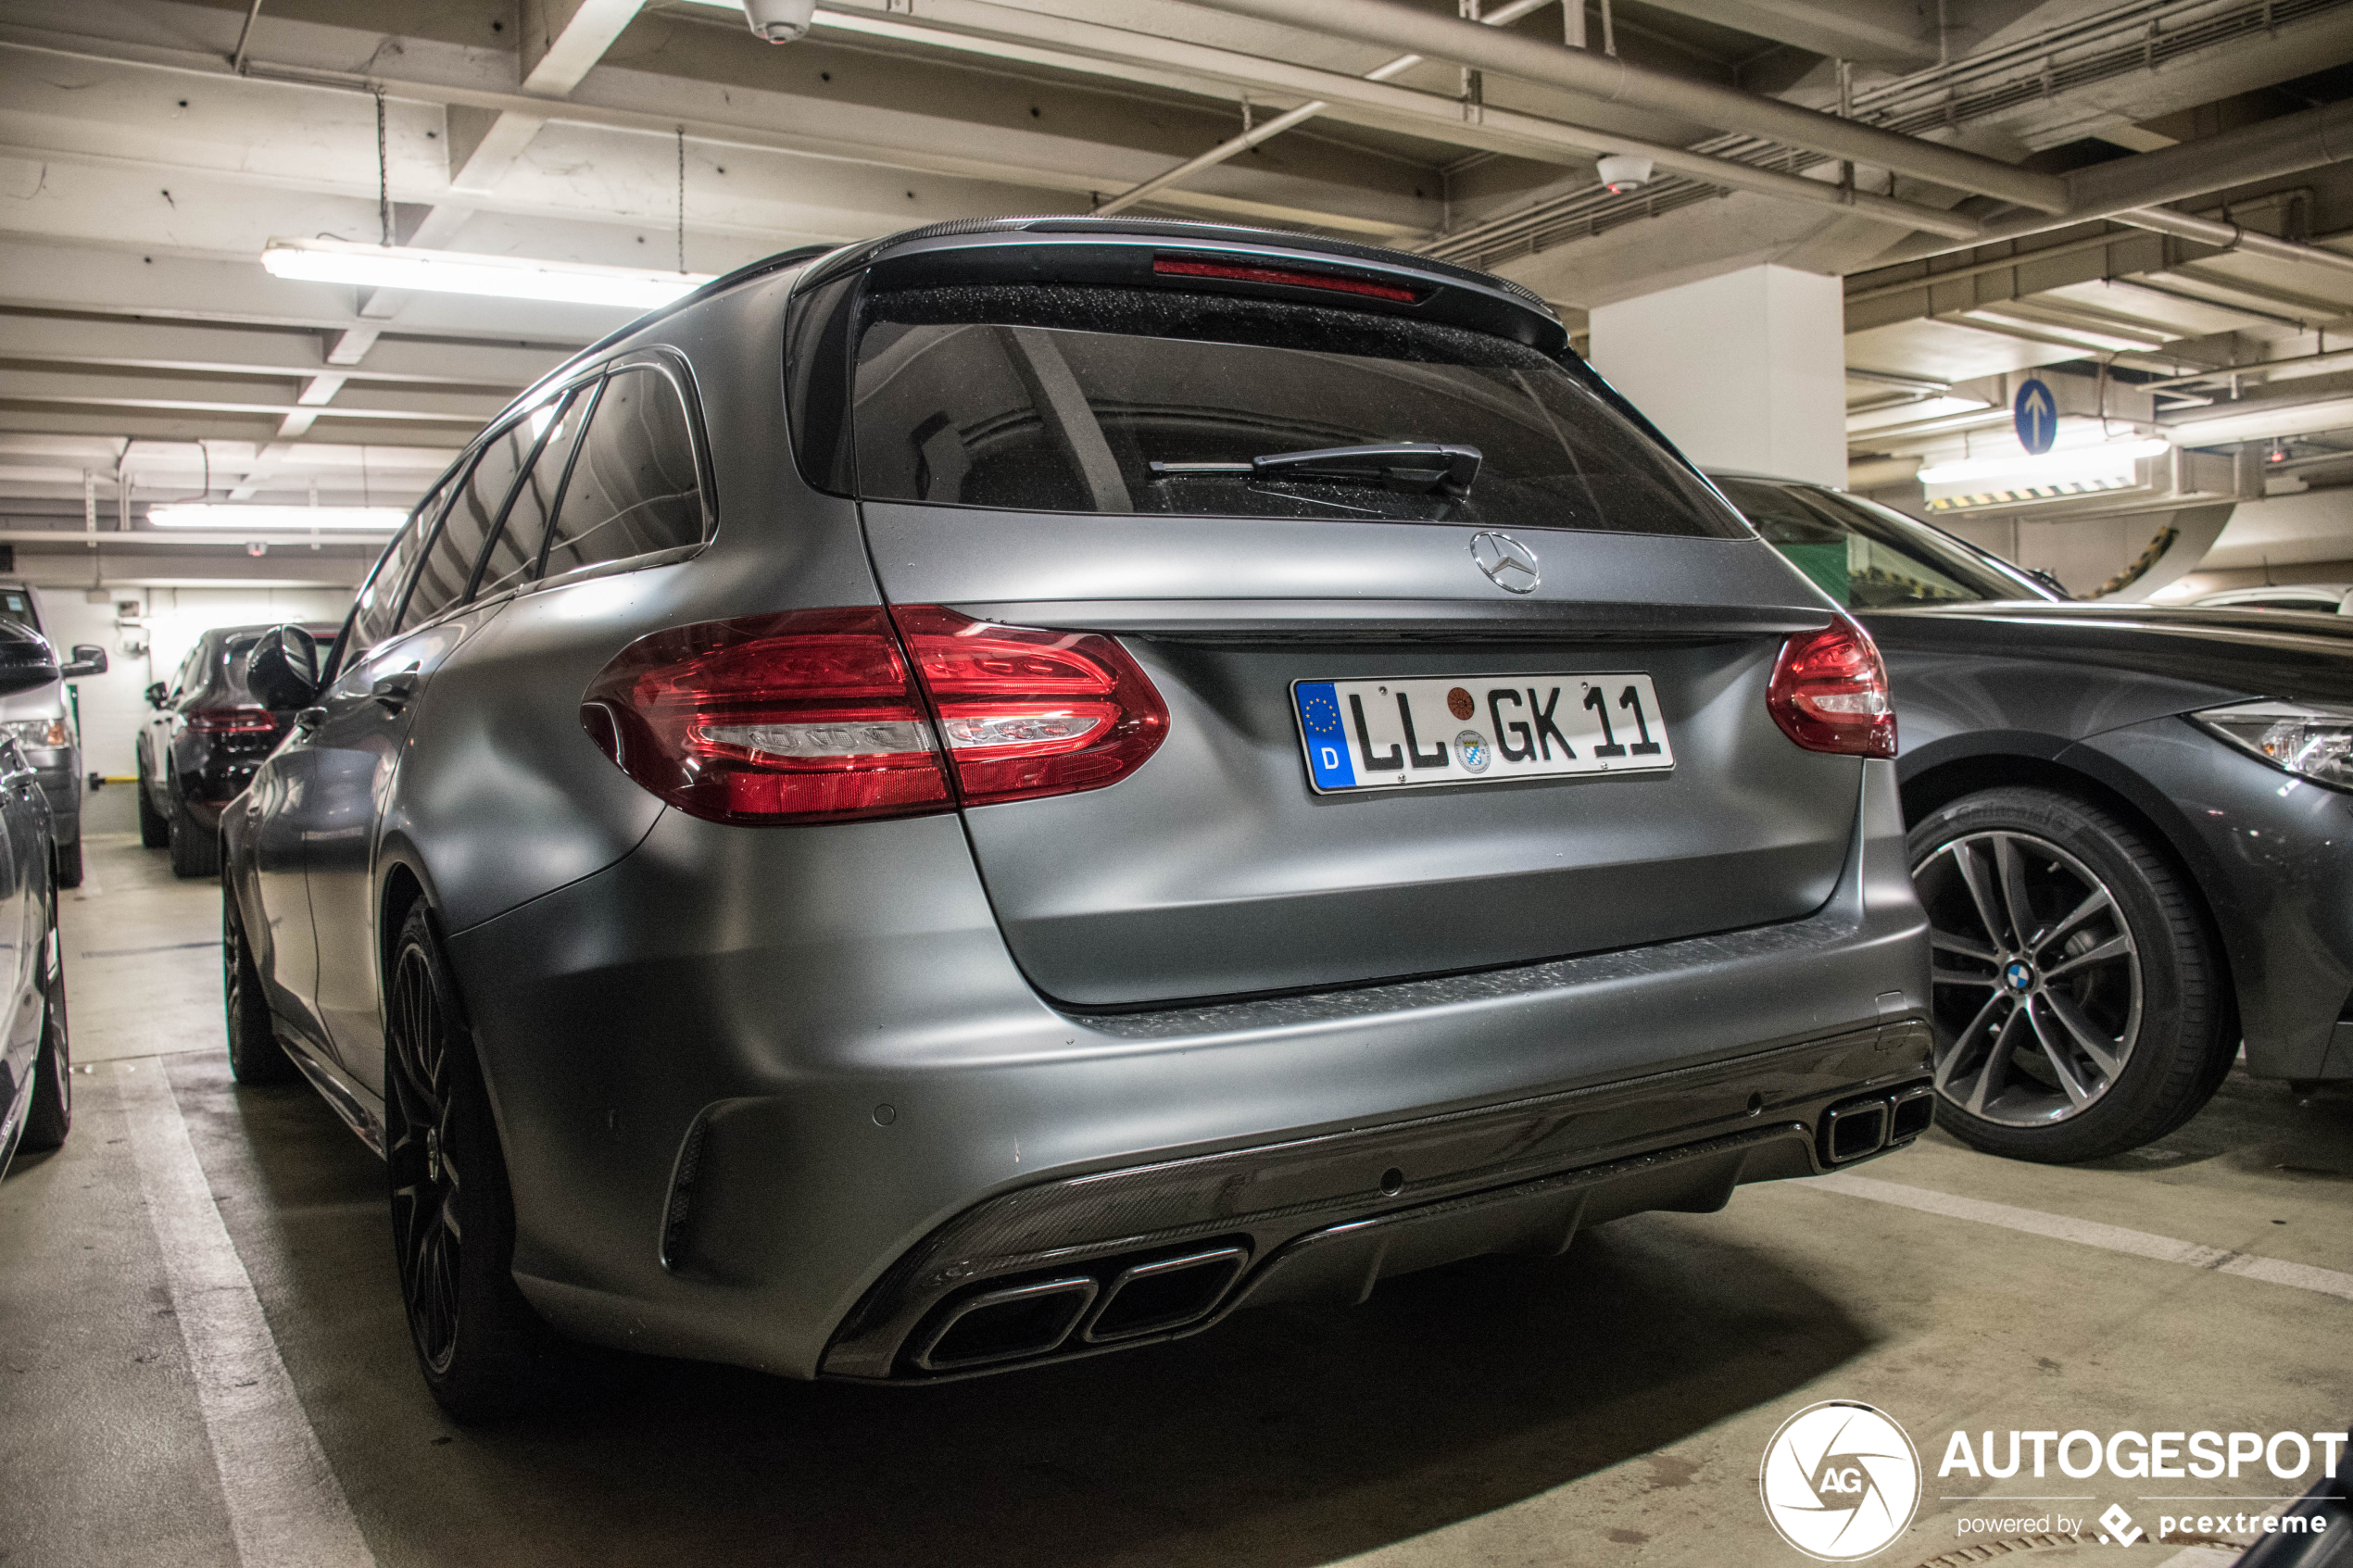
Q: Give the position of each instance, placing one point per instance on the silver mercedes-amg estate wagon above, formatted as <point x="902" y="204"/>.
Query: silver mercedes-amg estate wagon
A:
<point x="1001" y="794"/>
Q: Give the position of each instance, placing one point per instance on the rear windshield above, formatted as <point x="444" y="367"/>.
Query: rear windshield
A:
<point x="1048" y="398"/>
<point x="1866" y="557"/>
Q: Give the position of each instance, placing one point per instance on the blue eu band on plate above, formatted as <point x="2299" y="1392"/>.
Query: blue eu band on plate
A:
<point x="1478" y="728"/>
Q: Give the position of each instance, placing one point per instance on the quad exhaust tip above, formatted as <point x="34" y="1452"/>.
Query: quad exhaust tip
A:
<point x="1036" y="1318"/>
<point x="1863" y="1127"/>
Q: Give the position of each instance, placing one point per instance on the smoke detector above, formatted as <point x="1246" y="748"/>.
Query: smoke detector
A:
<point x="780" y="22"/>
<point x="1622" y="172"/>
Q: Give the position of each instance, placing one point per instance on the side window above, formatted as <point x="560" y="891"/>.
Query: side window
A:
<point x="515" y="552"/>
<point x="634" y="488"/>
<point x="448" y="566"/>
<point x="380" y="599"/>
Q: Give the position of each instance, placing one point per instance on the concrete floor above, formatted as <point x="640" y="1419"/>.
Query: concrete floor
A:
<point x="1608" y="1407"/>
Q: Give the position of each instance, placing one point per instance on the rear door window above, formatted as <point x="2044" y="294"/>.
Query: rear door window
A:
<point x="514" y="553"/>
<point x="634" y="488"/>
<point x="481" y="500"/>
<point x="379" y="600"/>
<point x="1064" y="399"/>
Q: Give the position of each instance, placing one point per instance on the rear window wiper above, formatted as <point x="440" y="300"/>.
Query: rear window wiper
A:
<point x="1418" y="466"/>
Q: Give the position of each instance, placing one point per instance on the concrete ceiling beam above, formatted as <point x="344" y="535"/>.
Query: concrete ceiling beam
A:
<point x="1614" y="80"/>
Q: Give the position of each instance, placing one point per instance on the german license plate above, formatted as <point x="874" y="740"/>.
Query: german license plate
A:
<point x="1478" y="728"/>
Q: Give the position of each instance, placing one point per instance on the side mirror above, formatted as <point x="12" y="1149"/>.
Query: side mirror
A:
<point x="88" y="658"/>
<point x="26" y="658"/>
<point x="283" y="668"/>
<point x="156" y="693"/>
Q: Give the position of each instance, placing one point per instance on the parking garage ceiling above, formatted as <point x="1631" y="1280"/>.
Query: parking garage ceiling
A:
<point x="2142" y="193"/>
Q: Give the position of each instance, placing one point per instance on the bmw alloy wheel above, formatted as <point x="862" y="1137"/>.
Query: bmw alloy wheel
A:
<point x="2037" y="986"/>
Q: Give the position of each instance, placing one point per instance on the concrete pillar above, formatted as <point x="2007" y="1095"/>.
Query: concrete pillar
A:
<point x="1743" y="371"/>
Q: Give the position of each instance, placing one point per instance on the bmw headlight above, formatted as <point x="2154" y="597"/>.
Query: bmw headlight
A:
<point x="39" y="732"/>
<point x="2310" y="740"/>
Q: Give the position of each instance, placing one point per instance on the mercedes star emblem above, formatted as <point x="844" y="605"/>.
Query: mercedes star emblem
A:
<point x="1509" y="564"/>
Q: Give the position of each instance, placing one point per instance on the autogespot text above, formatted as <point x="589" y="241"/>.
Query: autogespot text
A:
<point x="2134" y="1456"/>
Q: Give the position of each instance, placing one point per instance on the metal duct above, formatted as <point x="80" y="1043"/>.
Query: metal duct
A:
<point x="2121" y="189"/>
<point x="1613" y="79"/>
<point x="2230" y="236"/>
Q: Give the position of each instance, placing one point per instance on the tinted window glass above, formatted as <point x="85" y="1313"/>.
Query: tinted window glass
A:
<point x="482" y="494"/>
<point x="1061" y="398"/>
<point x="634" y="488"/>
<point x="380" y="600"/>
<point x="515" y="552"/>
<point x="15" y="604"/>
<point x="1865" y="557"/>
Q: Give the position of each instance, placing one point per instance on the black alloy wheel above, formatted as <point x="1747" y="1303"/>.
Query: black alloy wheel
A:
<point x="2077" y="997"/>
<point x="50" y="1116"/>
<point x="255" y="1055"/>
<point x="483" y="1350"/>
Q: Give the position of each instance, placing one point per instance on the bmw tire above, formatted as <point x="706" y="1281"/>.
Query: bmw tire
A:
<point x="2078" y="998"/>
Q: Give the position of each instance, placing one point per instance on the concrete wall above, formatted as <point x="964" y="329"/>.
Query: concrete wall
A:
<point x="166" y="622"/>
<point x="1746" y="371"/>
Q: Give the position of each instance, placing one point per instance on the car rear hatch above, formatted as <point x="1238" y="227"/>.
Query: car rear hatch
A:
<point x="1375" y="682"/>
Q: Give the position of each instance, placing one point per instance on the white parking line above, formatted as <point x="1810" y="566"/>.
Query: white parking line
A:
<point x="2090" y="1232"/>
<point x="286" y="1506"/>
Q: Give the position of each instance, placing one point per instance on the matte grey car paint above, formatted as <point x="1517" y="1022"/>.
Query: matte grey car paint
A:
<point x="897" y="1023"/>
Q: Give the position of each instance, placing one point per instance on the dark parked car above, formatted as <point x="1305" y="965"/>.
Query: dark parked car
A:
<point x="206" y="736"/>
<point x="42" y="723"/>
<point x="2130" y="826"/>
<point x="1000" y="794"/>
<point x="36" y="1062"/>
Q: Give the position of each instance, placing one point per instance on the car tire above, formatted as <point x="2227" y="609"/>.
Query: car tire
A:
<point x="2105" y="1024"/>
<point x="255" y="1055"/>
<point x="483" y="1352"/>
<point x="194" y="851"/>
<point x="65" y="864"/>
<point x="50" y="1116"/>
<point x="155" y="828"/>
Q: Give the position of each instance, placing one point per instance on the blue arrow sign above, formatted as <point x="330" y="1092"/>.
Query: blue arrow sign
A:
<point x="2034" y="414"/>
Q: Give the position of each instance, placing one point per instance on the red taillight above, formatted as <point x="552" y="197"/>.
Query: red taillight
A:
<point x="232" y="720"/>
<point x="1028" y="712"/>
<point x="1829" y="693"/>
<point x="1289" y="277"/>
<point x="817" y="715"/>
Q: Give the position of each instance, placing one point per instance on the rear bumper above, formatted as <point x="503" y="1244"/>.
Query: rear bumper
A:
<point x="1326" y="1219"/>
<point x="744" y="1077"/>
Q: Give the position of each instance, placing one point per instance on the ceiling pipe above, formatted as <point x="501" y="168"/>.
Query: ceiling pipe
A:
<point x="1614" y="80"/>
<point x="1234" y="146"/>
<point x="1018" y="34"/>
<point x="2230" y="236"/>
<point x="1719" y="171"/>
<point x="2125" y="190"/>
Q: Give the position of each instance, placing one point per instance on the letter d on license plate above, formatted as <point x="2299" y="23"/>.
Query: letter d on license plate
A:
<point x="1478" y="728"/>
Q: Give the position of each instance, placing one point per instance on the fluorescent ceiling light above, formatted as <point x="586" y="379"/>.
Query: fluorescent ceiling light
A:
<point x="2261" y="423"/>
<point x="449" y="271"/>
<point x="200" y="514"/>
<point x="2050" y="467"/>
